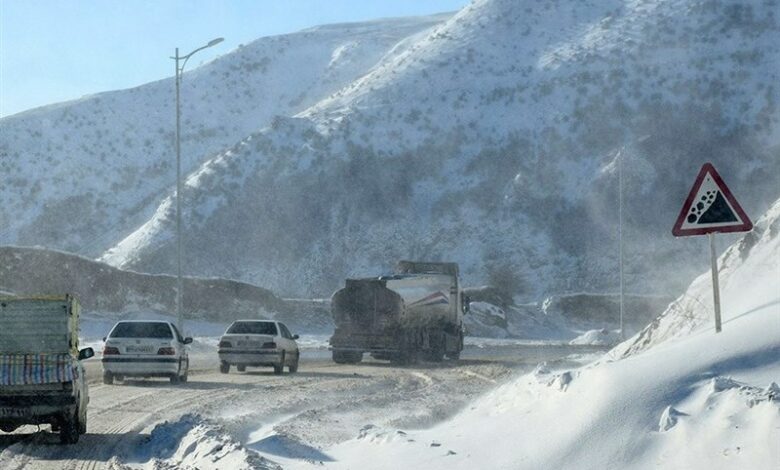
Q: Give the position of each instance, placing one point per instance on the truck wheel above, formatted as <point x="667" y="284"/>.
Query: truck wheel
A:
<point x="69" y="428"/>
<point x="241" y="368"/>
<point x="406" y="358"/>
<point x="108" y="378"/>
<point x="347" y="357"/>
<point x="339" y="357"/>
<point x="436" y="355"/>
<point x="224" y="367"/>
<point x="83" y="424"/>
<point x="175" y="379"/>
<point x="278" y="369"/>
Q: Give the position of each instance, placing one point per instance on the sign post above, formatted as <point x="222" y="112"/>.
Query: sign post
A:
<point x="711" y="208"/>
<point x="715" y="283"/>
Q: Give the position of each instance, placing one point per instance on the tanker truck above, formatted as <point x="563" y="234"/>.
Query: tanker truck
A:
<point x="417" y="312"/>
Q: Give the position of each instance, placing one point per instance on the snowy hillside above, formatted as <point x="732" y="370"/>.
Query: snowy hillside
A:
<point x="698" y="400"/>
<point x="81" y="175"/>
<point x="110" y="291"/>
<point x="491" y="140"/>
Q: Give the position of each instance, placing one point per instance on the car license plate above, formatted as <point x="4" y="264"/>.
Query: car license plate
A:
<point x="139" y="349"/>
<point x="8" y="412"/>
<point x="246" y="344"/>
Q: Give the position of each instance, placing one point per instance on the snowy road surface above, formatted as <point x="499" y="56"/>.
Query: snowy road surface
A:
<point x="256" y="415"/>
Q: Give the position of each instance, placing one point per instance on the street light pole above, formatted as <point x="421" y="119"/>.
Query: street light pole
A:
<point x="179" y="71"/>
<point x="620" y="235"/>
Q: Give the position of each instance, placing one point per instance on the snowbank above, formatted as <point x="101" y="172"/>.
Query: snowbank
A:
<point x="194" y="442"/>
<point x="602" y="337"/>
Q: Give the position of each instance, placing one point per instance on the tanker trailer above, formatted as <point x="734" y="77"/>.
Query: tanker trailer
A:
<point x="416" y="312"/>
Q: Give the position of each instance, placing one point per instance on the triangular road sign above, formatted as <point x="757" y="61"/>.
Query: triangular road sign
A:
<point x="710" y="208"/>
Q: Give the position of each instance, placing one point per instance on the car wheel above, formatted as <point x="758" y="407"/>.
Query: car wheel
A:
<point x="294" y="366"/>
<point x="69" y="428"/>
<point x="241" y="368"/>
<point x="224" y="367"/>
<point x="108" y="378"/>
<point x="278" y="369"/>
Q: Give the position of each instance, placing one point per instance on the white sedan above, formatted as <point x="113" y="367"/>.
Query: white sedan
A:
<point x="145" y="349"/>
<point x="258" y="343"/>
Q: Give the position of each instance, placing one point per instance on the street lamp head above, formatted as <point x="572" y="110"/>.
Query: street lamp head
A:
<point x="214" y="42"/>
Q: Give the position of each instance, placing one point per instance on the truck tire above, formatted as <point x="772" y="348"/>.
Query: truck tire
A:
<point x="108" y="378"/>
<point x="224" y="367"/>
<point x="83" y="424"/>
<point x="82" y="415"/>
<point x="435" y="355"/>
<point x="70" y="428"/>
<point x="406" y="358"/>
<point x="347" y="357"/>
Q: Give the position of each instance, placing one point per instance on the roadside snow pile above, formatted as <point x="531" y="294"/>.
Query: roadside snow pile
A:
<point x="602" y="337"/>
<point x="194" y="443"/>
<point x="749" y="280"/>
<point x="699" y="400"/>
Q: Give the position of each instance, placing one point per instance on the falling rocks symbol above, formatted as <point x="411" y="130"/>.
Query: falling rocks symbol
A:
<point x="717" y="212"/>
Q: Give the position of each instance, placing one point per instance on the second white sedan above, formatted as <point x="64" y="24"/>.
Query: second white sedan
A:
<point x="258" y="343"/>
<point x="145" y="349"/>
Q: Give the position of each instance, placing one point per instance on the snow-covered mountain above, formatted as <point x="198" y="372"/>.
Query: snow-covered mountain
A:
<point x="492" y="141"/>
<point x="489" y="138"/>
<point x="81" y="175"/>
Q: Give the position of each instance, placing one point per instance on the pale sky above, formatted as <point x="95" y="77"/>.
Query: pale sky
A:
<point x="57" y="50"/>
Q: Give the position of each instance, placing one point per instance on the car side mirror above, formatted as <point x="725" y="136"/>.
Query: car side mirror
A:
<point x="187" y="340"/>
<point x="86" y="353"/>
<point x="104" y="339"/>
<point x="296" y="336"/>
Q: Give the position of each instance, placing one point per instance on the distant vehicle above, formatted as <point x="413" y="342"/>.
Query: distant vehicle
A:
<point x="258" y="343"/>
<point x="416" y="312"/>
<point x="145" y="349"/>
<point x="41" y="377"/>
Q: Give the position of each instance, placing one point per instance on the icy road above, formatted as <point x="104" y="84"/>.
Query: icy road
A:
<point x="324" y="403"/>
